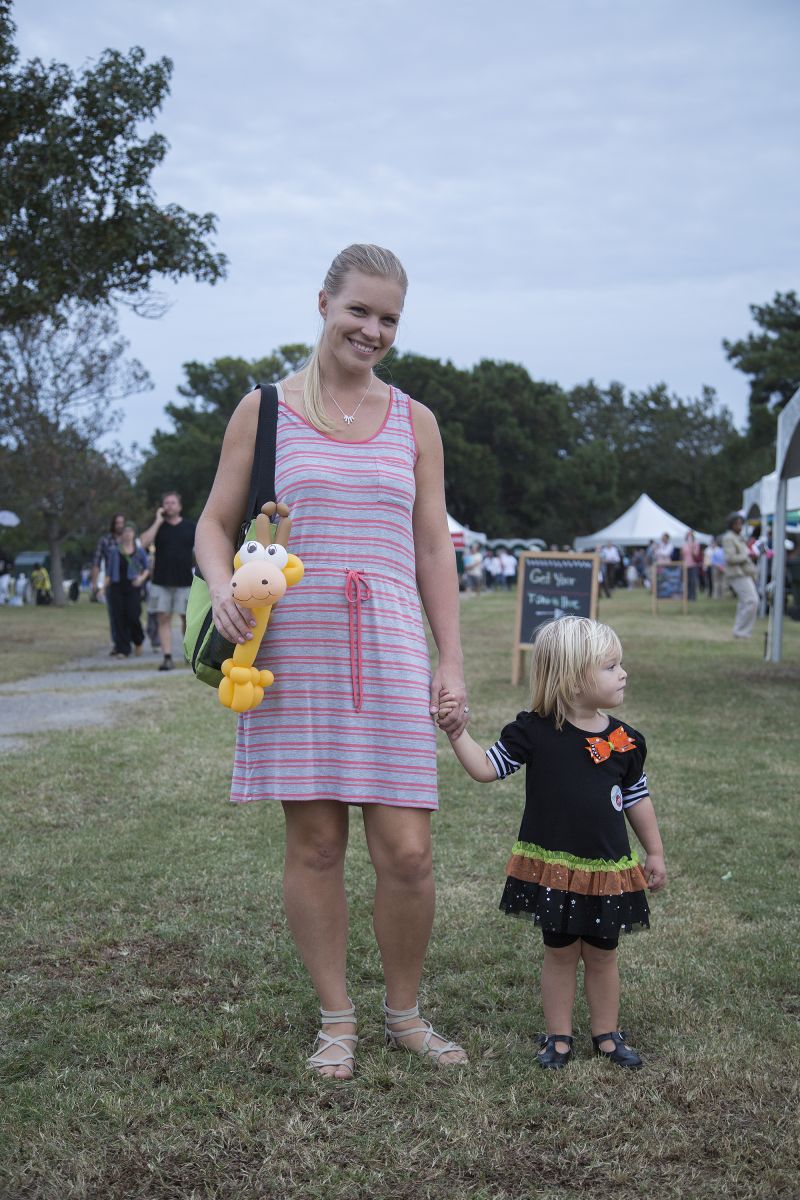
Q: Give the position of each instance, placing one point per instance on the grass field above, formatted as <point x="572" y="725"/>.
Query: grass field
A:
<point x="156" y="1017"/>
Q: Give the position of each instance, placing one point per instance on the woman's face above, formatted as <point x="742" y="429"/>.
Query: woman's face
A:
<point x="361" y="320"/>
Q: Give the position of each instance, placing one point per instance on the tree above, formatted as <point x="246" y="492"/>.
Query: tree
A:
<point x="59" y="381"/>
<point x="186" y="457"/>
<point x="772" y="360"/>
<point x="78" y="216"/>
<point x="502" y="433"/>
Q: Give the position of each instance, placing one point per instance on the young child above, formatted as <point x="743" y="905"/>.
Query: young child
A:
<point x="572" y="870"/>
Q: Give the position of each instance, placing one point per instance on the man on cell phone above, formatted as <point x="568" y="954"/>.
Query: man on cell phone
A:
<point x="173" y="538"/>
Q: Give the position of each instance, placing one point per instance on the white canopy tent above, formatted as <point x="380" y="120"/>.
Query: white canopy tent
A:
<point x="463" y="536"/>
<point x="644" y="522"/>
<point x="759" y="499"/>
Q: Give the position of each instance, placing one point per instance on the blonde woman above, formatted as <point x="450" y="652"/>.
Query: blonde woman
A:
<point x="349" y="722"/>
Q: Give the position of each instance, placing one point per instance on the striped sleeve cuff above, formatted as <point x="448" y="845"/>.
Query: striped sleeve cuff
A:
<point x="632" y="795"/>
<point x="502" y="761"/>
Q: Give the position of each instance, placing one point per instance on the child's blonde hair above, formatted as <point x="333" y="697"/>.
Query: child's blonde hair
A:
<point x="565" y="652"/>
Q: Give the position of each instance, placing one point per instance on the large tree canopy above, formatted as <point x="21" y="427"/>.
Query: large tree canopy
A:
<point x="522" y="457"/>
<point x="772" y="360"/>
<point x="78" y="216"/>
<point x="59" y="380"/>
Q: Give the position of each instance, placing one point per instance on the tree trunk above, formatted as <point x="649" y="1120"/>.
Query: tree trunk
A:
<point x="56" y="568"/>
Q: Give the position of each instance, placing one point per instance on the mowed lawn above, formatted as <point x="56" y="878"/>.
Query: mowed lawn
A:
<point x="156" y="1018"/>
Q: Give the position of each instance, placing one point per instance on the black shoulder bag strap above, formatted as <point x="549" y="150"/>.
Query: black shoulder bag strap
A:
<point x="262" y="475"/>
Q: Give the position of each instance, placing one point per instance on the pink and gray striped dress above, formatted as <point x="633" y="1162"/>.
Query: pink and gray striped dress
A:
<point x="347" y="718"/>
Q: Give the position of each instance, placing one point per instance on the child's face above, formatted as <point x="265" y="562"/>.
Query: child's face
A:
<point x="607" y="682"/>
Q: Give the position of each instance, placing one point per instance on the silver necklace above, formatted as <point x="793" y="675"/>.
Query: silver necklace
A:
<point x="349" y="417"/>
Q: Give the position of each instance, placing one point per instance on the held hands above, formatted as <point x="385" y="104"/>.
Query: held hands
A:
<point x="449" y="682"/>
<point x="655" y="872"/>
<point x="448" y="710"/>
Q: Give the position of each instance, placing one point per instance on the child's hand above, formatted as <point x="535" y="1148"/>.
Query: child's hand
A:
<point x="655" y="871"/>
<point x="447" y="702"/>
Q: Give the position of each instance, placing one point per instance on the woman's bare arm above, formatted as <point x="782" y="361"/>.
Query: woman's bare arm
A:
<point x="436" y="568"/>
<point x="223" y="514"/>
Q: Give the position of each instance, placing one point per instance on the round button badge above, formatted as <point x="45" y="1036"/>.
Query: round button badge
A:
<point x="616" y="797"/>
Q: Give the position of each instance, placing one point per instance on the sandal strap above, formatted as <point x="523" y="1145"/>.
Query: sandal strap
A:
<point x="617" y="1036"/>
<point x="551" y="1038"/>
<point x="393" y="1015"/>
<point x="337" y="1016"/>
<point x="399" y="1014"/>
<point x="326" y="1041"/>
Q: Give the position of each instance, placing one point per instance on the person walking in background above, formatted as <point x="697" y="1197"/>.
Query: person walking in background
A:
<point x="493" y="569"/>
<point x="639" y="562"/>
<point x="350" y="721"/>
<point x="612" y="561"/>
<point x="40" y="582"/>
<point x="714" y="562"/>
<point x="740" y="575"/>
<point x="689" y="560"/>
<point x="509" y="565"/>
<point x="127" y="572"/>
<point x="473" y="569"/>
<point x="100" y="569"/>
<point x="173" y="538"/>
<point x="662" y="550"/>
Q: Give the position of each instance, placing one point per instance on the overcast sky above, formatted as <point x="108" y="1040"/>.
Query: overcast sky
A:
<point x="594" y="188"/>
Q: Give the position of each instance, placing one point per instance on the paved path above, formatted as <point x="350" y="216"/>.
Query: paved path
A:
<point x="87" y="691"/>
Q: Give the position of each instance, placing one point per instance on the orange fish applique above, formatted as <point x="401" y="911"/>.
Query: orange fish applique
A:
<point x="600" y="749"/>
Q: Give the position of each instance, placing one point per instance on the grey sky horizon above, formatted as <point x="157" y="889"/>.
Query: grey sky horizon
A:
<point x="595" y="189"/>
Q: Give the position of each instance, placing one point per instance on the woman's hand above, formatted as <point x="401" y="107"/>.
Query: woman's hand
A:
<point x="234" y="623"/>
<point x="449" y="682"/>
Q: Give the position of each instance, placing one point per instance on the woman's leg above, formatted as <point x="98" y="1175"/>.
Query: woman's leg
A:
<point x="399" y="841"/>
<point x="601" y="982"/>
<point x="133" y="612"/>
<point x="116" y="604"/>
<point x="558" y="986"/>
<point x="316" y="905"/>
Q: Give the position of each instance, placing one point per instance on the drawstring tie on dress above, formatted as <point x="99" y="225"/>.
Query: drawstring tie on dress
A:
<point x="356" y="589"/>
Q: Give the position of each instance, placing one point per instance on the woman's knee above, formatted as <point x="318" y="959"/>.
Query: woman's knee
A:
<point x="316" y="853"/>
<point x="315" y="845"/>
<point x="409" y="863"/>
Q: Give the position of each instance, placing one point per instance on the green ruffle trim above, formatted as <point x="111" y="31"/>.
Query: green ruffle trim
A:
<point x="531" y="850"/>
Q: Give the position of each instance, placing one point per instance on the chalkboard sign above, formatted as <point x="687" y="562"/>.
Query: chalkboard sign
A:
<point x="551" y="585"/>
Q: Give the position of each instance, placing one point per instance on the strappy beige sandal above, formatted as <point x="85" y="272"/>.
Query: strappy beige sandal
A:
<point x="324" y="1041"/>
<point x="394" y="1036"/>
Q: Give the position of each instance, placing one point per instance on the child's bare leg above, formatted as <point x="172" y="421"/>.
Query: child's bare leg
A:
<point x="601" y="981"/>
<point x="559" y="983"/>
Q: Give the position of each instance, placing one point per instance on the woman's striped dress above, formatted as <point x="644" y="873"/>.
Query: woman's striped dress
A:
<point x="347" y="717"/>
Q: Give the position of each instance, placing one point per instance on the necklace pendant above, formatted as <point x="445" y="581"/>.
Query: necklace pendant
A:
<point x="349" y="420"/>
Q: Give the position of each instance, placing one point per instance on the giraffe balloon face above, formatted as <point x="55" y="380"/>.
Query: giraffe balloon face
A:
<point x="260" y="580"/>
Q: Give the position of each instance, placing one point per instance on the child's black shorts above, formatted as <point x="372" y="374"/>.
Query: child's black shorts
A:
<point x="559" y="940"/>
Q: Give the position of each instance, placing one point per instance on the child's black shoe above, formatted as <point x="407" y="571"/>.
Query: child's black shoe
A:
<point x="548" y="1056"/>
<point x="622" y="1054"/>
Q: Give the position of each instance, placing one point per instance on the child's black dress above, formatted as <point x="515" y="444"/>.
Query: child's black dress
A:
<point x="572" y="870"/>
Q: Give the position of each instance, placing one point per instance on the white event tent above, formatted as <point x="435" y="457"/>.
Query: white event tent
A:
<point x="759" y="499"/>
<point x="644" y="522"/>
<point x="463" y="536"/>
